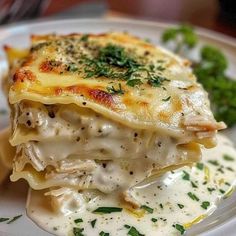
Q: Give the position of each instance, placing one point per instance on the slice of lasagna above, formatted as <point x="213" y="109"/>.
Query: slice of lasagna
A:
<point x="103" y="112"/>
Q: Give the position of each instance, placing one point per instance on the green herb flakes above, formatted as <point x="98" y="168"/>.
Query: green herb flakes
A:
<point x="3" y="219"/>
<point x="103" y="234"/>
<point x="107" y="210"/>
<point x="180" y="228"/>
<point x="93" y="223"/>
<point x="227" y="157"/>
<point x="194" y="185"/>
<point x="14" y="219"/>
<point x="166" y="99"/>
<point x="214" y="162"/>
<point x="180" y="206"/>
<point x="147" y="208"/>
<point x="200" y="165"/>
<point x="78" y="220"/>
<point x="134" y="232"/>
<point x="78" y="231"/>
<point x="154" y="220"/>
<point x="205" y="205"/>
<point x="193" y="196"/>
<point x="186" y="175"/>
<point x="113" y="90"/>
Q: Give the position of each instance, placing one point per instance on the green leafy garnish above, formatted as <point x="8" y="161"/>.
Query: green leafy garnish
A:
<point x="205" y="205"/>
<point x="78" y="220"/>
<point x="14" y="219"/>
<point x="214" y="162"/>
<point x="78" y="231"/>
<point x="193" y="196"/>
<point x="154" y="220"/>
<point x="84" y="38"/>
<point x="107" y="210"/>
<point x="133" y="82"/>
<point x="180" y="206"/>
<point x="227" y="157"/>
<point x="93" y="222"/>
<point x="72" y="67"/>
<point x="180" y="228"/>
<point x="194" y="185"/>
<point x="183" y="37"/>
<point x="103" y="234"/>
<point x="200" y="166"/>
<point x="134" y="232"/>
<point x="3" y="219"/>
<point x="113" y="90"/>
<point x="147" y="208"/>
<point x="166" y="99"/>
<point x="186" y="175"/>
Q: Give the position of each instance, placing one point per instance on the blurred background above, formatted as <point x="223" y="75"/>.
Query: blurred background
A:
<point x="218" y="15"/>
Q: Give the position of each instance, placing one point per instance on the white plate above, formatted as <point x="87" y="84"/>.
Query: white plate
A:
<point x="13" y="196"/>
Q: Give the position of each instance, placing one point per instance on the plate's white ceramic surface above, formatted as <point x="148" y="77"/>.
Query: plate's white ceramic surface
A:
<point x="13" y="195"/>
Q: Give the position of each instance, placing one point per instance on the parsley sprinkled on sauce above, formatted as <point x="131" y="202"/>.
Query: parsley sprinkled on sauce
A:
<point x="147" y="208"/>
<point x="186" y="175"/>
<point x="222" y="191"/>
<point x="180" y="228"/>
<point x="193" y="196"/>
<point x="14" y="219"/>
<point x="93" y="223"/>
<point x="181" y="206"/>
<point x="113" y="90"/>
<point x="78" y="220"/>
<point x="227" y="157"/>
<point x="133" y="82"/>
<point x="84" y="38"/>
<point x="78" y="231"/>
<point x="205" y="205"/>
<point x="107" y="210"/>
<point x="166" y="99"/>
<point x="154" y="220"/>
<point x="200" y="165"/>
<point x="103" y="234"/>
<point x="133" y="231"/>
<point x="214" y="162"/>
<point x="3" y="219"/>
<point x="161" y="205"/>
<point x="194" y="185"/>
<point x="72" y="67"/>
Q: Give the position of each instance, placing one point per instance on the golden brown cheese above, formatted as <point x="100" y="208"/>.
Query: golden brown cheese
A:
<point x="45" y="76"/>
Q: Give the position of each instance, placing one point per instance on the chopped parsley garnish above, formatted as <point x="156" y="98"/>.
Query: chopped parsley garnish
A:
<point x="154" y="220"/>
<point x="84" y="38"/>
<point x="78" y="231"/>
<point x="156" y="80"/>
<point x="186" y="175"/>
<point x="166" y="99"/>
<point x="133" y="82"/>
<point x="205" y="205"/>
<point x="14" y="219"/>
<point x="113" y="90"/>
<point x="227" y="157"/>
<point x="93" y="223"/>
<point x="103" y="234"/>
<point x="161" y="205"/>
<point x="180" y="228"/>
<point x="214" y="162"/>
<point x="200" y="166"/>
<point x="194" y="185"/>
<point x="147" y="208"/>
<point x="72" y="67"/>
<point x="107" y="210"/>
<point x="193" y="196"/>
<point x="134" y="232"/>
<point x="79" y="220"/>
<point x="180" y="206"/>
<point x="3" y="219"/>
<point x="222" y="191"/>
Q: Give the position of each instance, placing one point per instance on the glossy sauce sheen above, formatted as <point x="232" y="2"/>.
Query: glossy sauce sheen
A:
<point x="178" y="197"/>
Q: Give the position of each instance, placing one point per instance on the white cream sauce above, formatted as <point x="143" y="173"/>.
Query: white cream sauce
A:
<point x="178" y="197"/>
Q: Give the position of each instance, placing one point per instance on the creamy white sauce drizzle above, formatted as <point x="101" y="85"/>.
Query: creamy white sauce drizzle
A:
<point x="210" y="184"/>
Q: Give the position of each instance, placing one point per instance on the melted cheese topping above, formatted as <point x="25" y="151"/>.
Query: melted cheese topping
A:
<point x="47" y="76"/>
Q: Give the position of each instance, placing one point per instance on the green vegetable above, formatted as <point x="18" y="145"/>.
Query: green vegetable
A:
<point x="186" y="175"/>
<point x="214" y="162"/>
<point x="147" y="208"/>
<point x="228" y="158"/>
<point x="78" y="220"/>
<point x="107" y="210"/>
<point x="78" y="231"/>
<point x="205" y="205"/>
<point x="183" y="37"/>
<point x="113" y="90"/>
<point x="200" y="166"/>
<point x="103" y="234"/>
<point x="3" y="219"/>
<point x="166" y="99"/>
<point x="193" y="196"/>
<point x="93" y="222"/>
<point x="154" y="220"/>
<point x="180" y="228"/>
<point x="134" y="232"/>
<point x="14" y="219"/>
<point x="180" y="206"/>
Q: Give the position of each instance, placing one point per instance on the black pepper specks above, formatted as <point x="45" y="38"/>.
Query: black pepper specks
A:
<point x="51" y="114"/>
<point x="84" y="103"/>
